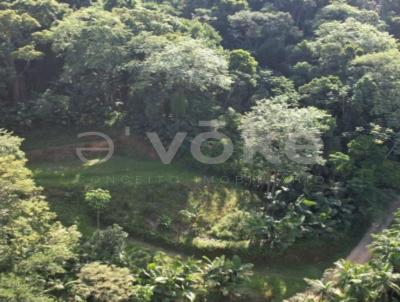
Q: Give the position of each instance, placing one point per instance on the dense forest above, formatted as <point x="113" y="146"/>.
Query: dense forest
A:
<point x="303" y="96"/>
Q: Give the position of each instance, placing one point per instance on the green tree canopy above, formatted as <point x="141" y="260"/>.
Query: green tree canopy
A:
<point x="17" y="50"/>
<point x="340" y="11"/>
<point x="34" y="247"/>
<point x="93" y="78"/>
<point x="376" y="92"/>
<point x="181" y="81"/>
<point x="266" y="34"/>
<point x="273" y="129"/>
<point x="337" y="43"/>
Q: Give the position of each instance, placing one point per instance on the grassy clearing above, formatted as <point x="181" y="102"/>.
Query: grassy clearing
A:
<point x="147" y="192"/>
<point x="118" y="172"/>
<point x="66" y="181"/>
<point x="147" y="199"/>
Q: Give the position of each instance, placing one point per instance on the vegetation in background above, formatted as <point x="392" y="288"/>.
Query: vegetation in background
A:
<point x="273" y="74"/>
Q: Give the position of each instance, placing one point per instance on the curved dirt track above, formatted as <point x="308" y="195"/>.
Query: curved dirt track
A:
<point x="360" y="254"/>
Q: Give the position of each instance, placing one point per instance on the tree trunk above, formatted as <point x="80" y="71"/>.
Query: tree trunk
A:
<point x="98" y="219"/>
<point x="18" y="89"/>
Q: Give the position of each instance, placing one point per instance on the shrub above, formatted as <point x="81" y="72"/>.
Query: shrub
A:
<point x="104" y="283"/>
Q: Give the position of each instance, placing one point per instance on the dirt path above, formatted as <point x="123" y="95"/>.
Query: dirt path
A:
<point x="66" y="152"/>
<point x="360" y="254"/>
<point x="156" y="248"/>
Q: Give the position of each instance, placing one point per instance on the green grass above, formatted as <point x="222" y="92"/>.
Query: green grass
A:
<point x="142" y="190"/>
<point x="51" y="137"/>
<point x="119" y="171"/>
<point x="144" y="193"/>
<point x="65" y="182"/>
<point x="150" y="187"/>
<point x="307" y="259"/>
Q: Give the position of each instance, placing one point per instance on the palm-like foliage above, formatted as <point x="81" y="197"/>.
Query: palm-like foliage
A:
<point x="376" y="281"/>
<point x="224" y="277"/>
<point x="386" y="246"/>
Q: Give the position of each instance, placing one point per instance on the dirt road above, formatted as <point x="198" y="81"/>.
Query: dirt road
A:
<point x="360" y="254"/>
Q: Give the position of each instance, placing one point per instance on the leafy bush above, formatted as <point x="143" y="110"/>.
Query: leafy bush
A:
<point x="377" y="280"/>
<point x="104" y="283"/>
<point x="224" y="278"/>
<point x="107" y="246"/>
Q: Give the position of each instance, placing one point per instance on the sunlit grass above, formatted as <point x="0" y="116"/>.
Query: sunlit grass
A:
<point x="119" y="171"/>
<point x="66" y="180"/>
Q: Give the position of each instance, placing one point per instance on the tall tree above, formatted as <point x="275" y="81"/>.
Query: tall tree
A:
<point x="92" y="78"/>
<point x="34" y="247"/>
<point x="376" y="92"/>
<point x="181" y="81"/>
<point x="282" y="140"/>
<point x="17" y="50"/>
<point x="338" y="43"/>
<point x="266" y="34"/>
<point x="22" y="25"/>
<point x="340" y="11"/>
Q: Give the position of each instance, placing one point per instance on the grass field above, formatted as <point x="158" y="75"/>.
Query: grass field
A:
<point x="143" y="188"/>
<point x="66" y="181"/>
<point x="120" y="171"/>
